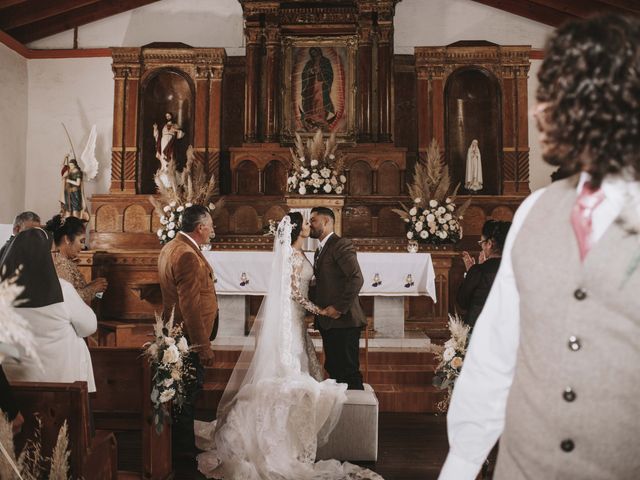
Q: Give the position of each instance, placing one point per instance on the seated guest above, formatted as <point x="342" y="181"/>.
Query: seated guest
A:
<point x="69" y="237"/>
<point x="23" y="221"/>
<point x="479" y="277"/>
<point x="58" y="317"/>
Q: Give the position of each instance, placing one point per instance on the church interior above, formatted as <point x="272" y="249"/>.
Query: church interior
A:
<point x="240" y="82"/>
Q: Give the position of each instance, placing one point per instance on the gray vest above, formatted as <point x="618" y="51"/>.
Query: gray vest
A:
<point x="573" y="411"/>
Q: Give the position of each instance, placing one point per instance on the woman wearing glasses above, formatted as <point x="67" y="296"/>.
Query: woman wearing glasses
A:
<point x="479" y="277"/>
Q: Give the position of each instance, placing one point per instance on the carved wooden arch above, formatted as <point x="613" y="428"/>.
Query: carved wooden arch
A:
<point x="275" y="177"/>
<point x="108" y="219"/>
<point x="360" y="178"/>
<point x="221" y="221"/>
<point x="246" y="221"/>
<point x="247" y="178"/>
<point x="389" y="179"/>
<point x="136" y="218"/>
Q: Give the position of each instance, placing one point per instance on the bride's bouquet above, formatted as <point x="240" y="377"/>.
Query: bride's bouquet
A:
<point x="172" y="371"/>
<point x="451" y="358"/>
<point x="317" y="167"/>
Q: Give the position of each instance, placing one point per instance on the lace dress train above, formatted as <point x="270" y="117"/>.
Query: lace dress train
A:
<point x="273" y="426"/>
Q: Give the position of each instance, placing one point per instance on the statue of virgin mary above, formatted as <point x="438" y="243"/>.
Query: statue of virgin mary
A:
<point x="473" y="176"/>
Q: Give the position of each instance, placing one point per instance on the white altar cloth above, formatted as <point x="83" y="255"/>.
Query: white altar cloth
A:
<point x="385" y="274"/>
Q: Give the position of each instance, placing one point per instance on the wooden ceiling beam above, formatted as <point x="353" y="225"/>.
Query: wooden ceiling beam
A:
<point x="630" y="6"/>
<point x="531" y="10"/>
<point x="34" y="11"/>
<point x="9" y="3"/>
<point x="75" y="18"/>
<point x="580" y="8"/>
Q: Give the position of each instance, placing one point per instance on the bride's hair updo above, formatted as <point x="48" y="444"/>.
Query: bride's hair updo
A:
<point x="296" y="225"/>
<point x="70" y="227"/>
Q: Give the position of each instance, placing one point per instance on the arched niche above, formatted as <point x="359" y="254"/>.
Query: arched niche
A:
<point x="473" y="221"/>
<point x="473" y="111"/>
<point x="221" y="221"/>
<point x="356" y="221"/>
<point x="247" y="178"/>
<point x="390" y="224"/>
<point x="274" y="213"/>
<point x="136" y="219"/>
<point x="108" y="219"/>
<point x="275" y="178"/>
<point x="246" y="221"/>
<point x="360" y="179"/>
<point x="388" y="179"/>
<point x="164" y="91"/>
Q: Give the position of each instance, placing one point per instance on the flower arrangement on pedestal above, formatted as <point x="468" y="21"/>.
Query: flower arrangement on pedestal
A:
<point x="451" y="358"/>
<point x="434" y="217"/>
<point x="317" y="167"/>
<point x="180" y="190"/>
<point x="171" y="369"/>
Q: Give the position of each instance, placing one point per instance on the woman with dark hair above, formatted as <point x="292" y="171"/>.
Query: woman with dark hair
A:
<point x="479" y="278"/>
<point x="276" y="408"/>
<point x="58" y="317"/>
<point x="69" y="239"/>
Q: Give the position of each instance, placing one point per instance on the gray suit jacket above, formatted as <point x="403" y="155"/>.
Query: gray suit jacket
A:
<point x="338" y="283"/>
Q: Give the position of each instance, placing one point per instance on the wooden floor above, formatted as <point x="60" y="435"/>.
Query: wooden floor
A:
<point x="412" y="446"/>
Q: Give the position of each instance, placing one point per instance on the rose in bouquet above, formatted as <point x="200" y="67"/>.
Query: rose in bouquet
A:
<point x="171" y="369"/>
<point x="451" y="357"/>
<point x="317" y="167"/>
<point x="180" y="190"/>
<point x="434" y="217"/>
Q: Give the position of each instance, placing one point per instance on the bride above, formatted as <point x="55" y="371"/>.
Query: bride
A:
<point x="277" y="409"/>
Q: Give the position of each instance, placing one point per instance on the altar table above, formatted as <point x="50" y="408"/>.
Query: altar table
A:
<point x="388" y="276"/>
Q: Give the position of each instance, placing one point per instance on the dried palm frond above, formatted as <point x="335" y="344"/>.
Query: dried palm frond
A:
<point x="8" y="462"/>
<point x="192" y="185"/>
<point x="31" y="461"/>
<point x="60" y="456"/>
<point x="317" y="148"/>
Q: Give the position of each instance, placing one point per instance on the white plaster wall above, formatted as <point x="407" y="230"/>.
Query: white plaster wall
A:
<point x="199" y="23"/>
<point x="78" y="93"/>
<point x="13" y="133"/>
<point x="441" y="22"/>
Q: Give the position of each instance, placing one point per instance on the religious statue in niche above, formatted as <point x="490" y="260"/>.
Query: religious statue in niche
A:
<point x="317" y="109"/>
<point x="74" y="173"/>
<point x="165" y="140"/>
<point x="473" y="175"/>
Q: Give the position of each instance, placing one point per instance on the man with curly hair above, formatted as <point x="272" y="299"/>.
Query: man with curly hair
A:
<point x="553" y="363"/>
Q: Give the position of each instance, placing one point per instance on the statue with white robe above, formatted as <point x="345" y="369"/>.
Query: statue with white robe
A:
<point x="473" y="175"/>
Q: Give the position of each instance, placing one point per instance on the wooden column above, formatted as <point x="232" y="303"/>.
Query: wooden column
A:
<point x="272" y="69"/>
<point x="364" y="76"/>
<point x="126" y="69"/>
<point x="385" y="72"/>
<point x="430" y="98"/>
<point x="208" y="111"/>
<point x="252" y="85"/>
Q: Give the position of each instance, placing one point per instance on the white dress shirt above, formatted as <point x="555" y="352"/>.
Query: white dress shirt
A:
<point x="323" y="242"/>
<point x="476" y="416"/>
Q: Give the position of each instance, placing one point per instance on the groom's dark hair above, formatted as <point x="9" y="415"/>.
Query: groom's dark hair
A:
<point x="324" y="211"/>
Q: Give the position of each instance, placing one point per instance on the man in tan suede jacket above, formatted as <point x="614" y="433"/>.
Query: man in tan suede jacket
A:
<point x="187" y="284"/>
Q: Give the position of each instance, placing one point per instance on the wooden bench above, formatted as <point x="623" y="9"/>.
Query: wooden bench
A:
<point x="122" y="404"/>
<point x="92" y="456"/>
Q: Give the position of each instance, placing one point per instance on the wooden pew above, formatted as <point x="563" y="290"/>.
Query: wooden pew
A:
<point x="122" y="403"/>
<point x="93" y="456"/>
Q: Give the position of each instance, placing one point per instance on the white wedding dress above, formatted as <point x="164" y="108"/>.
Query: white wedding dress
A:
<point x="275" y="411"/>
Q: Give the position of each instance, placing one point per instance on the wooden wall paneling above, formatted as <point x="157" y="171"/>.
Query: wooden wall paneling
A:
<point x="502" y="213"/>
<point x="360" y="178"/>
<point x="221" y="222"/>
<point x="405" y="98"/>
<point x="232" y="128"/>
<point x="473" y="220"/>
<point x="275" y="178"/>
<point x="246" y="220"/>
<point x="385" y="70"/>
<point x="108" y="219"/>
<point x="247" y="177"/>
<point x="388" y="179"/>
<point x="390" y="224"/>
<point x="275" y="213"/>
<point x="357" y="221"/>
<point x="137" y="219"/>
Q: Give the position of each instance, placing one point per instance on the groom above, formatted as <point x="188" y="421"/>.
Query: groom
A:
<point x="338" y="282"/>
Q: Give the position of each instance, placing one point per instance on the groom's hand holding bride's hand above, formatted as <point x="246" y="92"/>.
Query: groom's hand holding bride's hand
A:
<point x="331" y="311"/>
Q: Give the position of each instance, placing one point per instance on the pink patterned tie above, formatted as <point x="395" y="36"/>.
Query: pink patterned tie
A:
<point x="581" y="216"/>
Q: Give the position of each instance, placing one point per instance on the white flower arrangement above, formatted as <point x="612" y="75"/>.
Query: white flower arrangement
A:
<point x="433" y="218"/>
<point x="316" y="168"/>
<point x="172" y="371"/>
<point x="451" y="357"/>
<point x="180" y="190"/>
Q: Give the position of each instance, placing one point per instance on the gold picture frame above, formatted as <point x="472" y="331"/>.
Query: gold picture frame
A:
<point x="319" y="87"/>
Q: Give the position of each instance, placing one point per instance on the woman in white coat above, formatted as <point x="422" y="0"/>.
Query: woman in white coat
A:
<point x="58" y="317"/>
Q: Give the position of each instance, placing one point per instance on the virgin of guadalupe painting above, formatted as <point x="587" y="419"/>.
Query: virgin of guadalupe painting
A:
<point x="319" y="86"/>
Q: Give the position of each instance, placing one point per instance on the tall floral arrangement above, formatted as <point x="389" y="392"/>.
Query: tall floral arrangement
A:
<point x="316" y="167"/>
<point x="451" y="357"/>
<point x="434" y="217"/>
<point x="180" y="190"/>
<point x="172" y="371"/>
